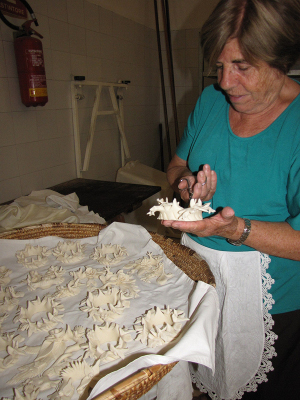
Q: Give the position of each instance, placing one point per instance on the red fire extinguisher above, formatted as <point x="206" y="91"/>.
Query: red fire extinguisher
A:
<point x="31" y="67"/>
<point x="30" y="61"/>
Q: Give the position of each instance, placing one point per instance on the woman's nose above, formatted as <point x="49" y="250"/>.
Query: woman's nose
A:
<point x="226" y="78"/>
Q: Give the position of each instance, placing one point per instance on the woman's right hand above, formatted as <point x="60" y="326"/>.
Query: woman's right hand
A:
<point x="203" y="186"/>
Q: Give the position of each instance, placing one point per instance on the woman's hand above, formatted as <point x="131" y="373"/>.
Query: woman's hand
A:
<point x="203" y="186"/>
<point x="224" y="224"/>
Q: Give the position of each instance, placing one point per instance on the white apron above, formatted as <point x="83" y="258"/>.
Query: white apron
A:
<point x="244" y="343"/>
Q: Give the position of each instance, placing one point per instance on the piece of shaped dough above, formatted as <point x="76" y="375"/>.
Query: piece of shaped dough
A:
<point x="33" y="256"/>
<point x="53" y="276"/>
<point x="122" y="281"/>
<point x="69" y="290"/>
<point x="4" y="275"/>
<point x="9" y="298"/>
<point x="109" y="254"/>
<point x="150" y="267"/>
<point x="105" y="305"/>
<point x="100" y="338"/>
<point x="158" y="327"/>
<point x="69" y="252"/>
<point x="88" y="273"/>
<point x="173" y="211"/>
<point x="49" y="307"/>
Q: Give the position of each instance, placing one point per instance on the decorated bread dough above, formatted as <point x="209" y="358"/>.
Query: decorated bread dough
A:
<point x="9" y="298"/>
<point x="121" y="281"/>
<point x="105" y="305"/>
<point x="109" y="254"/>
<point x="173" y="211"/>
<point x="107" y="342"/>
<point x="53" y="276"/>
<point x="150" y="267"/>
<point x="4" y="275"/>
<point x="33" y="256"/>
<point x="48" y="307"/>
<point x="158" y="327"/>
<point x="69" y="252"/>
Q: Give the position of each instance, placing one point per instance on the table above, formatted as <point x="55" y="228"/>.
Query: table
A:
<point x="108" y="199"/>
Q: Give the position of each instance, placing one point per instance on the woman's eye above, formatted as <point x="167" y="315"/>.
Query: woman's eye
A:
<point x="243" y="67"/>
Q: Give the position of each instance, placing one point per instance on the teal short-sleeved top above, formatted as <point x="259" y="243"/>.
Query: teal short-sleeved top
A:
<point x="258" y="176"/>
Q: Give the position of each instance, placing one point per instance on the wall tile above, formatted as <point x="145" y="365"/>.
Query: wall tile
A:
<point x="4" y="95"/>
<point x="77" y="40"/>
<point x="29" y="159"/>
<point x="8" y="163"/>
<point x="30" y="182"/>
<point x="64" y="122"/>
<point x="43" y="29"/>
<point x="10" y="60"/>
<point x="62" y="94"/>
<point x="57" y="9"/>
<point x="78" y="65"/>
<point x="39" y="6"/>
<point x="50" y="152"/>
<point x="2" y="62"/>
<point x="46" y="124"/>
<point x="25" y="126"/>
<point x="93" y="47"/>
<point x="105" y="21"/>
<point x="76" y="12"/>
<point x="7" y="136"/>
<point x="58" y="174"/>
<point x="59" y="35"/>
<point x="91" y="15"/>
<point x="61" y="66"/>
<point x="10" y="189"/>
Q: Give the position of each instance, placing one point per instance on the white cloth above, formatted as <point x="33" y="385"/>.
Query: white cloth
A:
<point x="199" y="302"/>
<point x="45" y="206"/>
<point x="242" y="337"/>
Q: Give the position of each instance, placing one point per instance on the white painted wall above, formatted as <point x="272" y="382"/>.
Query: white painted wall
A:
<point x="103" y="40"/>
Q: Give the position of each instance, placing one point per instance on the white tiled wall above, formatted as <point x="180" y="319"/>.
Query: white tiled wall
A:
<point x="81" y="38"/>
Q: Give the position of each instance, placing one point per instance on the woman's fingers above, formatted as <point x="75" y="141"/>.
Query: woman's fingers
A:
<point x="206" y="184"/>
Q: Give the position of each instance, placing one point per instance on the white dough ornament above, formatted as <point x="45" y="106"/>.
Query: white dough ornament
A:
<point x="158" y="327"/>
<point x="69" y="252"/>
<point x="105" y="305"/>
<point x="69" y="290"/>
<point x="150" y="267"/>
<point x="47" y="307"/>
<point x="9" y="298"/>
<point x="173" y="211"/>
<point x="53" y="277"/>
<point x="121" y="281"/>
<point x="4" y="275"/>
<point x="108" y="342"/>
<point x="33" y="256"/>
<point x="109" y="254"/>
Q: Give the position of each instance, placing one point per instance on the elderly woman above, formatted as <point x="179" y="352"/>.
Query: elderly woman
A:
<point x="241" y="151"/>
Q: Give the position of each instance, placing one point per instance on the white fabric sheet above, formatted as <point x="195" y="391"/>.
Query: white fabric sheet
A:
<point x="199" y="301"/>
<point x="241" y="335"/>
<point x="45" y="206"/>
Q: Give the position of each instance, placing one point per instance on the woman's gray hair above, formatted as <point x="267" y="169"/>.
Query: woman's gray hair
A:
<point x="267" y="30"/>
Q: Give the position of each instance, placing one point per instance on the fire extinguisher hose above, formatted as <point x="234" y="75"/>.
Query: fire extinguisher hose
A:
<point x="16" y="27"/>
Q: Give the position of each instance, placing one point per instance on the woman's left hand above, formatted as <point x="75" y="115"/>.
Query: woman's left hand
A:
<point x="224" y="224"/>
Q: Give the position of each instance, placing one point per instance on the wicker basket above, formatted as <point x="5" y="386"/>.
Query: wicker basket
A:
<point x="187" y="260"/>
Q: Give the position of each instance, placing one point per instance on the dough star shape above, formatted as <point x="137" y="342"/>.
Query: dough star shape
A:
<point x="150" y="267"/>
<point x="54" y="276"/>
<point x="4" y="275"/>
<point x="173" y="211"/>
<point x="122" y="281"/>
<point x="100" y="340"/>
<point x="109" y="254"/>
<point x="158" y="327"/>
<point x="33" y="256"/>
<point x="69" y="252"/>
<point x="105" y="305"/>
<point x="47" y="306"/>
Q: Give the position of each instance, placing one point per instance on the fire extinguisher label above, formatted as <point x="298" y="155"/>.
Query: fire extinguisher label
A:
<point x="35" y="57"/>
<point x="38" y="92"/>
<point x="37" y="86"/>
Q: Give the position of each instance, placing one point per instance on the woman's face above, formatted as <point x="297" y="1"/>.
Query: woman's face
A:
<point x="250" y="89"/>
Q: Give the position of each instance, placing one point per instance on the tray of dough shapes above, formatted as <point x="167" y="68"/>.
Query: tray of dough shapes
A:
<point x="76" y="299"/>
